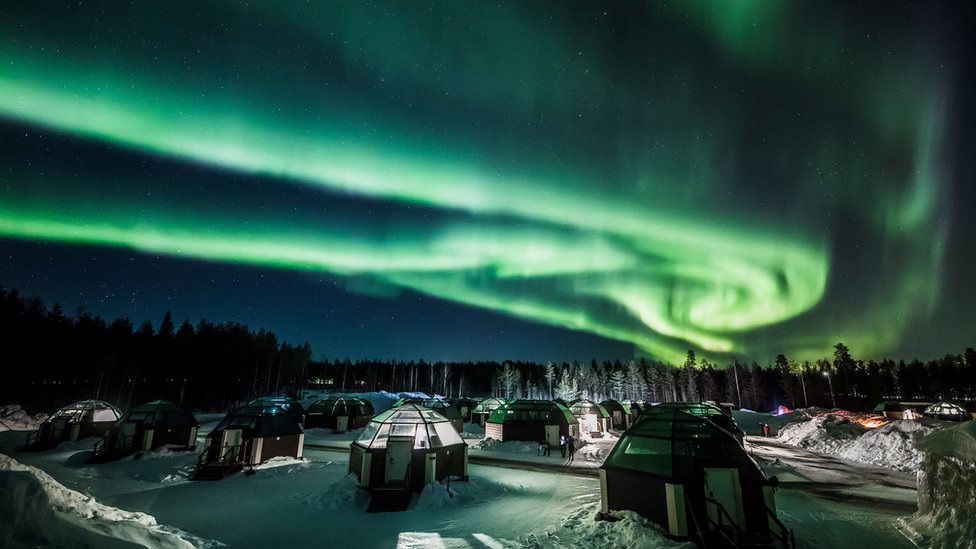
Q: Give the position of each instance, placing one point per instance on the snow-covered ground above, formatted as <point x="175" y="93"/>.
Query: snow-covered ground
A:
<point x="947" y="489"/>
<point x="310" y="503"/>
<point x="925" y="462"/>
<point x="514" y="498"/>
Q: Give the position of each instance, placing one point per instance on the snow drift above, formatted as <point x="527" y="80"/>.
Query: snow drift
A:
<point x="14" y="418"/>
<point x="38" y="510"/>
<point x="893" y="445"/>
<point x="946" y="516"/>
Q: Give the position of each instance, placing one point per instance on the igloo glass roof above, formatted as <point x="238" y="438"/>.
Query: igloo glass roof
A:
<point x="427" y="428"/>
<point x="89" y="410"/>
<point x="666" y="441"/>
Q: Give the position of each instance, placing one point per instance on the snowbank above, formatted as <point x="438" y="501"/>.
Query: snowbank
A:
<point x="39" y="510"/>
<point x="825" y="434"/>
<point x="632" y="530"/>
<point x="946" y="516"/>
<point x="14" y="418"/>
<point x="893" y="445"/>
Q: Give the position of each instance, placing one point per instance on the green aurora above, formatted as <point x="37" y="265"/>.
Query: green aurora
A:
<point x="671" y="177"/>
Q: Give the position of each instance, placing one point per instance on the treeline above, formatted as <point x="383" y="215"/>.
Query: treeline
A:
<point x="50" y="359"/>
<point x="842" y="381"/>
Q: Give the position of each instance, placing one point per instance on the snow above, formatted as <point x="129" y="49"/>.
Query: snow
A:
<point x="825" y="434"/>
<point x="513" y="498"/>
<point x="891" y="444"/>
<point x="14" y="418"/>
<point x="942" y="455"/>
<point x="946" y="515"/>
<point x="958" y="441"/>
<point x="41" y="510"/>
<point x="589" y="454"/>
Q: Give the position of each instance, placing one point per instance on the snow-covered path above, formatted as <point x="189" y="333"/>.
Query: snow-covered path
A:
<point x="807" y="466"/>
<point x="831" y="502"/>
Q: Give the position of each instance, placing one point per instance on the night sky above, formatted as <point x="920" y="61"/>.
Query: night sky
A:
<point x="484" y="180"/>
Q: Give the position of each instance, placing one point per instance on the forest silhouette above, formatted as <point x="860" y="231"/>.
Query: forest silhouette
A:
<point x="51" y="359"/>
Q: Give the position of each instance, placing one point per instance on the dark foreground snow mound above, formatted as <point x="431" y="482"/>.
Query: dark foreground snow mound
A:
<point x="28" y="520"/>
<point x="37" y="511"/>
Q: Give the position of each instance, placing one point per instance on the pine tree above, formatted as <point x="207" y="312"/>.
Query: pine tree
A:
<point x="618" y="380"/>
<point x="567" y="388"/>
<point x="709" y="385"/>
<point x="550" y="373"/>
<point x="636" y="384"/>
<point x="509" y="378"/>
<point x="688" y="382"/>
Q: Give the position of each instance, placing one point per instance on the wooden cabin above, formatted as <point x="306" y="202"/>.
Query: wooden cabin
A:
<point x="249" y="435"/>
<point x="692" y="478"/>
<point x="288" y="404"/>
<point x="339" y="413"/>
<point x="465" y="407"/>
<point x="594" y="419"/>
<point x="947" y="411"/>
<point x="620" y="417"/>
<point x="148" y="427"/>
<point x="484" y="409"/>
<point x="892" y="409"/>
<point x="76" y="421"/>
<point x="405" y="448"/>
<point x="533" y="421"/>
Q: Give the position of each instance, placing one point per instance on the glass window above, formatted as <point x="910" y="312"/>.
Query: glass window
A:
<point x="403" y="430"/>
<point x="104" y="415"/>
<point x="381" y="436"/>
<point x="422" y="440"/>
<point x="652" y="455"/>
<point x="368" y="433"/>
<point x="446" y="433"/>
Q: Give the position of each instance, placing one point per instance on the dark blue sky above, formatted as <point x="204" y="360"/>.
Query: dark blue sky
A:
<point x="525" y="181"/>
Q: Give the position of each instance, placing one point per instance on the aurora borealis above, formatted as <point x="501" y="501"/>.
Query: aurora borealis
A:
<point x="740" y="178"/>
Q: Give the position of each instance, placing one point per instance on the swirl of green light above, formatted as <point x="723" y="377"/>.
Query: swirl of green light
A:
<point x="549" y="245"/>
